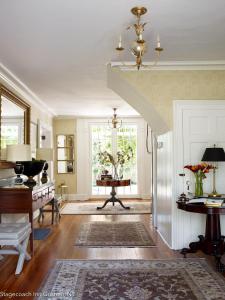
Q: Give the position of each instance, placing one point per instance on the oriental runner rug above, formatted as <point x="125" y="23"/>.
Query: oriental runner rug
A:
<point x="180" y="279"/>
<point x="114" y="234"/>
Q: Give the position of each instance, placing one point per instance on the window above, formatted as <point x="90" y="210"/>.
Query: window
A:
<point x="105" y="139"/>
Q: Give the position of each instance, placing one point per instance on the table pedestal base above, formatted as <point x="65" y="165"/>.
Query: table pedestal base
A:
<point x="113" y="199"/>
<point x="213" y="242"/>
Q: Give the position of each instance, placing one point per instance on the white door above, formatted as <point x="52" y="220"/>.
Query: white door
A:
<point x="199" y="124"/>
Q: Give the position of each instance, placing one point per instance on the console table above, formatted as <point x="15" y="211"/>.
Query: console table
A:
<point x="21" y="199"/>
<point x="113" y="183"/>
<point x="212" y="243"/>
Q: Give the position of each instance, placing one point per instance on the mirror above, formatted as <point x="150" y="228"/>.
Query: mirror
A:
<point x="14" y="120"/>
<point x="65" y="153"/>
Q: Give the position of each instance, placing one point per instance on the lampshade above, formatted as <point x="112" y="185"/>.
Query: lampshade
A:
<point x="18" y="152"/>
<point x="45" y="154"/>
<point x="214" y="154"/>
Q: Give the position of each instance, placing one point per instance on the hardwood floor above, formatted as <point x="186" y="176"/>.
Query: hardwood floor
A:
<point x="60" y="245"/>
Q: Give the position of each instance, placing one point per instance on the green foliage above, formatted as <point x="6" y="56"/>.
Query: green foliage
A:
<point x="124" y="162"/>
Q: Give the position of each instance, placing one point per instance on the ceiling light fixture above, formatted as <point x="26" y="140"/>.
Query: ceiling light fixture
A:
<point x="115" y="123"/>
<point x="138" y="47"/>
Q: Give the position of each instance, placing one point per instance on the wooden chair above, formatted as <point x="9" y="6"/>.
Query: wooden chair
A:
<point x="16" y="235"/>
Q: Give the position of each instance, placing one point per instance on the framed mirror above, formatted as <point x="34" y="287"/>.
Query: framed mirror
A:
<point x="14" y="121"/>
<point x="65" y="153"/>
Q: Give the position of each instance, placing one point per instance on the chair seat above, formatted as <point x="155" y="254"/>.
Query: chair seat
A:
<point x="13" y="230"/>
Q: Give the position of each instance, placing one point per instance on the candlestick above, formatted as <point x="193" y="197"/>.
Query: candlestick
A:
<point x="158" y="42"/>
<point x="120" y="42"/>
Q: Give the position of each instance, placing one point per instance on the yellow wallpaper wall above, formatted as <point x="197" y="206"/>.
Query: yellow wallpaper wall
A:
<point x="160" y="88"/>
<point x="65" y="126"/>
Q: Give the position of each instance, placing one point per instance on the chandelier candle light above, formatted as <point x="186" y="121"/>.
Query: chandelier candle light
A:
<point x="116" y="123"/>
<point x="139" y="48"/>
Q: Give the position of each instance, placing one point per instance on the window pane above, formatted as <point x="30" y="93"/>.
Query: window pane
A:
<point x="101" y="137"/>
<point x="127" y="145"/>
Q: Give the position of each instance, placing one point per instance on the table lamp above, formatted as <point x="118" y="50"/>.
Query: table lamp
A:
<point x="47" y="155"/>
<point x="18" y="153"/>
<point x="214" y="154"/>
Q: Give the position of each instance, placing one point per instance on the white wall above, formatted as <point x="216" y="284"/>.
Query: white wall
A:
<point x="164" y="186"/>
<point x="197" y="125"/>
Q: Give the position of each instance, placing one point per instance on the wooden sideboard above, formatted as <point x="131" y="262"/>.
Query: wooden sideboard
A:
<point x="21" y="199"/>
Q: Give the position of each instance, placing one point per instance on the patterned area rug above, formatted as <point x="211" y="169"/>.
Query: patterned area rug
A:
<point x="180" y="279"/>
<point x="114" y="234"/>
<point x="88" y="208"/>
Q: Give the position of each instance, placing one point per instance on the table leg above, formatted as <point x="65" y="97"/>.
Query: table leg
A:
<point x="53" y="210"/>
<point x="31" y="235"/>
<point x="212" y="243"/>
<point x="113" y="199"/>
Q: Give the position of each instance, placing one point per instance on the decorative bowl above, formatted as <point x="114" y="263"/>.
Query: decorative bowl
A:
<point x="31" y="169"/>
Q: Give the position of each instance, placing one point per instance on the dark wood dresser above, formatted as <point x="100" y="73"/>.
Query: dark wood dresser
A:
<point x="21" y="199"/>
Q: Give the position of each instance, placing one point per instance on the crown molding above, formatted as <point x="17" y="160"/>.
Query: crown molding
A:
<point x="12" y="82"/>
<point x="171" y="65"/>
<point x="106" y="117"/>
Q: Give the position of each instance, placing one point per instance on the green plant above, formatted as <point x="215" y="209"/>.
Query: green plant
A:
<point x="106" y="159"/>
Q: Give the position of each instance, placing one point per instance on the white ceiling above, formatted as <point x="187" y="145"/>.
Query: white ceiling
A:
<point x="59" y="48"/>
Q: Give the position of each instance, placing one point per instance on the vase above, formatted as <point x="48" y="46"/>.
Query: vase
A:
<point x="115" y="175"/>
<point x="198" y="185"/>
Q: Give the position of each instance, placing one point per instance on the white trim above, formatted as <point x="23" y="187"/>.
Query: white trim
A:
<point x="171" y="65"/>
<point x="85" y="197"/>
<point x="14" y="83"/>
<point x="146" y="196"/>
<point x="63" y="117"/>
<point x="164" y="239"/>
<point x="77" y="197"/>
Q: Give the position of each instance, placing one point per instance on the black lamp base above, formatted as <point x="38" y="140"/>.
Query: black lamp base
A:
<point x="44" y="177"/>
<point x="18" y="180"/>
<point x="18" y="170"/>
<point x="30" y="182"/>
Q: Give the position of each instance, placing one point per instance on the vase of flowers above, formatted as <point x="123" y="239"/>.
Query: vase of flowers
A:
<point x="106" y="159"/>
<point x="199" y="172"/>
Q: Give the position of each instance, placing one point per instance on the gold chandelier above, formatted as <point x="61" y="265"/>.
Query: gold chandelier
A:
<point x="115" y="122"/>
<point x="139" y="47"/>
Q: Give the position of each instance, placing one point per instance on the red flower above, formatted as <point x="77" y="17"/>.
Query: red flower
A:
<point x="203" y="167"/>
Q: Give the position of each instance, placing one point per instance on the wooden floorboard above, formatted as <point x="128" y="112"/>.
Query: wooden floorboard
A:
<point x="60" y="245"/>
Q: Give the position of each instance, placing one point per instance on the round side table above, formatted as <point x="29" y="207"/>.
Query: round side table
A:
<point x="213" y="242"/>
<point x="113" y="183"/>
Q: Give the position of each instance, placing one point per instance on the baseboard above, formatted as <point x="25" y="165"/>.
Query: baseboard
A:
<point x="146" y="197"/>
<point x="77" y="197"/>
<point x="164" y="239"/>
<point x="84" y="197"/>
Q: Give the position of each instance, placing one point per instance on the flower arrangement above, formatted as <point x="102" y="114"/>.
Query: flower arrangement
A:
<point x="106" y="159"/>
<point x="200" y="168"/>
<point x="199" y="171"/>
